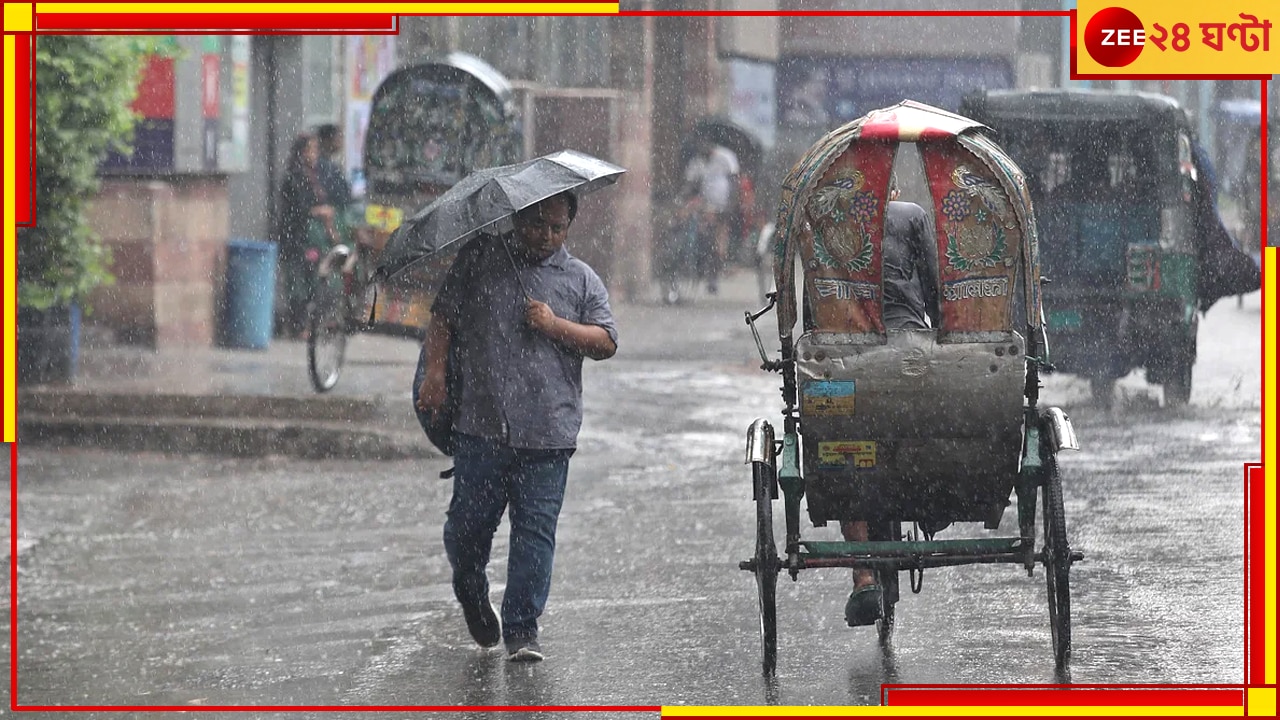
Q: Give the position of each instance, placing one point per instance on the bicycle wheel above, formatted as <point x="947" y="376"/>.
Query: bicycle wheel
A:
<point x="684" y="265"/>
<point x="326" y="331"/>
<point x="1057" y="562"/>
<point x="766" y="565"/>
<point x="1103" y="390"/>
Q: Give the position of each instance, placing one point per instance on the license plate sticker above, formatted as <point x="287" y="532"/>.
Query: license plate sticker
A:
<point x="825" y="398"/>
<point x="842" y="454"/>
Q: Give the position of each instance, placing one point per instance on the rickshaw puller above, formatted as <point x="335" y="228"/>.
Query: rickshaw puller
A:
<point x="910" y="296"/>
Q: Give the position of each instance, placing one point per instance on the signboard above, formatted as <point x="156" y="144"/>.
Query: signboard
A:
<point x="233" y="146"/>
<point x="826" y="92"/>
<point x="210" y="70"/>
<point x="752" y="98"/>
<point x="370" y="58"/>
<point x="153" y="147"/>
<point x="1145" y="37"/>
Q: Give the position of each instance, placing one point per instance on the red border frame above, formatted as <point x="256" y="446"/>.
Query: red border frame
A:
<point x="1255" y="576"/>
<point x="24" y="136"/>
<point x="368" y="24"/>
<point x="220" y="23"/>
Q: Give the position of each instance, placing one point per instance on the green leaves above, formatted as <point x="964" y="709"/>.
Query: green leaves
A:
<point x="85" y="86"/>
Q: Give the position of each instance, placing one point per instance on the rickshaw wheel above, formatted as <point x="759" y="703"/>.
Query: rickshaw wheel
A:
<point x="1177" y="389"/>
<point x="326" y="332"/>
<point x="1057" y="562"/>
<point x="1177" y="385"/>
<point x="1103" y="391"/>
<point x="888" y="582"/>
<point x="885" y="625"/>
<point x="766" y="564"/>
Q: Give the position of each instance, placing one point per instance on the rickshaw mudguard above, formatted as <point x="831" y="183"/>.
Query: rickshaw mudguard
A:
<point x="760" y="443"/>
<point x="1061" y="431"/>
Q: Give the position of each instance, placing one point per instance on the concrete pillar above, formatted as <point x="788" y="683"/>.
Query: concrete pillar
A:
<point x="634" y="45"/>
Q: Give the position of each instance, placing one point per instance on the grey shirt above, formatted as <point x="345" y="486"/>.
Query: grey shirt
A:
<point x="910" y="267"/>
<point x="516" y="385"/>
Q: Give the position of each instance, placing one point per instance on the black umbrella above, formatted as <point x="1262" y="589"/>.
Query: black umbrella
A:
<point x="485" y="200"/>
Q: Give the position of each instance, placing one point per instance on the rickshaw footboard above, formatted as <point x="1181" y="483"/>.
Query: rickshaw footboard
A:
<point x="912" y="555"/>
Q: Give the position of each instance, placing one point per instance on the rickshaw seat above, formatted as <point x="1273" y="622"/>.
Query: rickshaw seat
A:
<point x="901" y="426"/>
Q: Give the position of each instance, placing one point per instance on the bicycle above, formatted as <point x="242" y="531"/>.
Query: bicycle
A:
<point x="345" y="301"/>
<point x="687" y="254"/>
<point x="336" y="310"/>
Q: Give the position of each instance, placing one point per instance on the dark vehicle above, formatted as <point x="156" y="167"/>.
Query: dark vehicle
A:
<point x="430" y="125"/>
<point x="909" y="429"/>
<point x="1249" y="192"/>
<point x="1131" y="244"/>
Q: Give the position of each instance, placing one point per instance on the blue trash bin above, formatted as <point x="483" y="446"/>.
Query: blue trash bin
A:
<point x="250" y="294"/>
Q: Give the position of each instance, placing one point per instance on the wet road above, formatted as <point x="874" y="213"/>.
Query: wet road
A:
<point x="147" y="579"/>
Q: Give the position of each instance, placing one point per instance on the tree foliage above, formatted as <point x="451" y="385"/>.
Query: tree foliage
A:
<point x="85" y="86"/>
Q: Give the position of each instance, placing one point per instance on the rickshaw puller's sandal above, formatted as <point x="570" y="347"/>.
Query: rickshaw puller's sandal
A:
<point x="863" y="607"/>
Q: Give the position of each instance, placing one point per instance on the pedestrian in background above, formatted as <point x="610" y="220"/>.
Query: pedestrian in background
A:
<point x="711" y="179"/>
<point x="332" y="177"/>
<point x="518" y="407"/>
<point x="305" y="228"/>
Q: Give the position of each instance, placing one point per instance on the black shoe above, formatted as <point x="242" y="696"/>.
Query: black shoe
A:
<point x="482" y="621"/>
<point x="863" y="607"/>
<point x="524" y="649"/>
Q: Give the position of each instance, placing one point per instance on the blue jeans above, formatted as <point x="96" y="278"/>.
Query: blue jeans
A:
<point x="490" y="477"/>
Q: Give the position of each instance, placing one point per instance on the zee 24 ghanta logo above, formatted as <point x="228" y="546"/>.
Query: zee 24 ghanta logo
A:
<point x="1115" y="37"/>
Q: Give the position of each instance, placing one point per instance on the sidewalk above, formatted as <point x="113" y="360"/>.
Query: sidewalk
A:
<point x="260" y="402"/>
<point x="237" y="402"/>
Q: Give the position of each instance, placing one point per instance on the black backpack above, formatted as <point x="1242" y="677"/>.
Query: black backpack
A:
<point x="438" y="425"/>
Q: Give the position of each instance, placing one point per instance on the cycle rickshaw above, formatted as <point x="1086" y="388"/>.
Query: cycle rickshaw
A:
<point x="909" y="428"/>
<point x="430" y="125"/>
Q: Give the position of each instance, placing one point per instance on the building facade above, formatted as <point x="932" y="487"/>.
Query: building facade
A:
<point x="219" y="118"/>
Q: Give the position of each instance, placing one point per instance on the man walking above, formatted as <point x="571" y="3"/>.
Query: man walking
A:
<point x="518" y="335"/>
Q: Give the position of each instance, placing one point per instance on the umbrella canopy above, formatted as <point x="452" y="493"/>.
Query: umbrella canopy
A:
<point x="722" y="131"/>
<point x="485" y="200"/>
